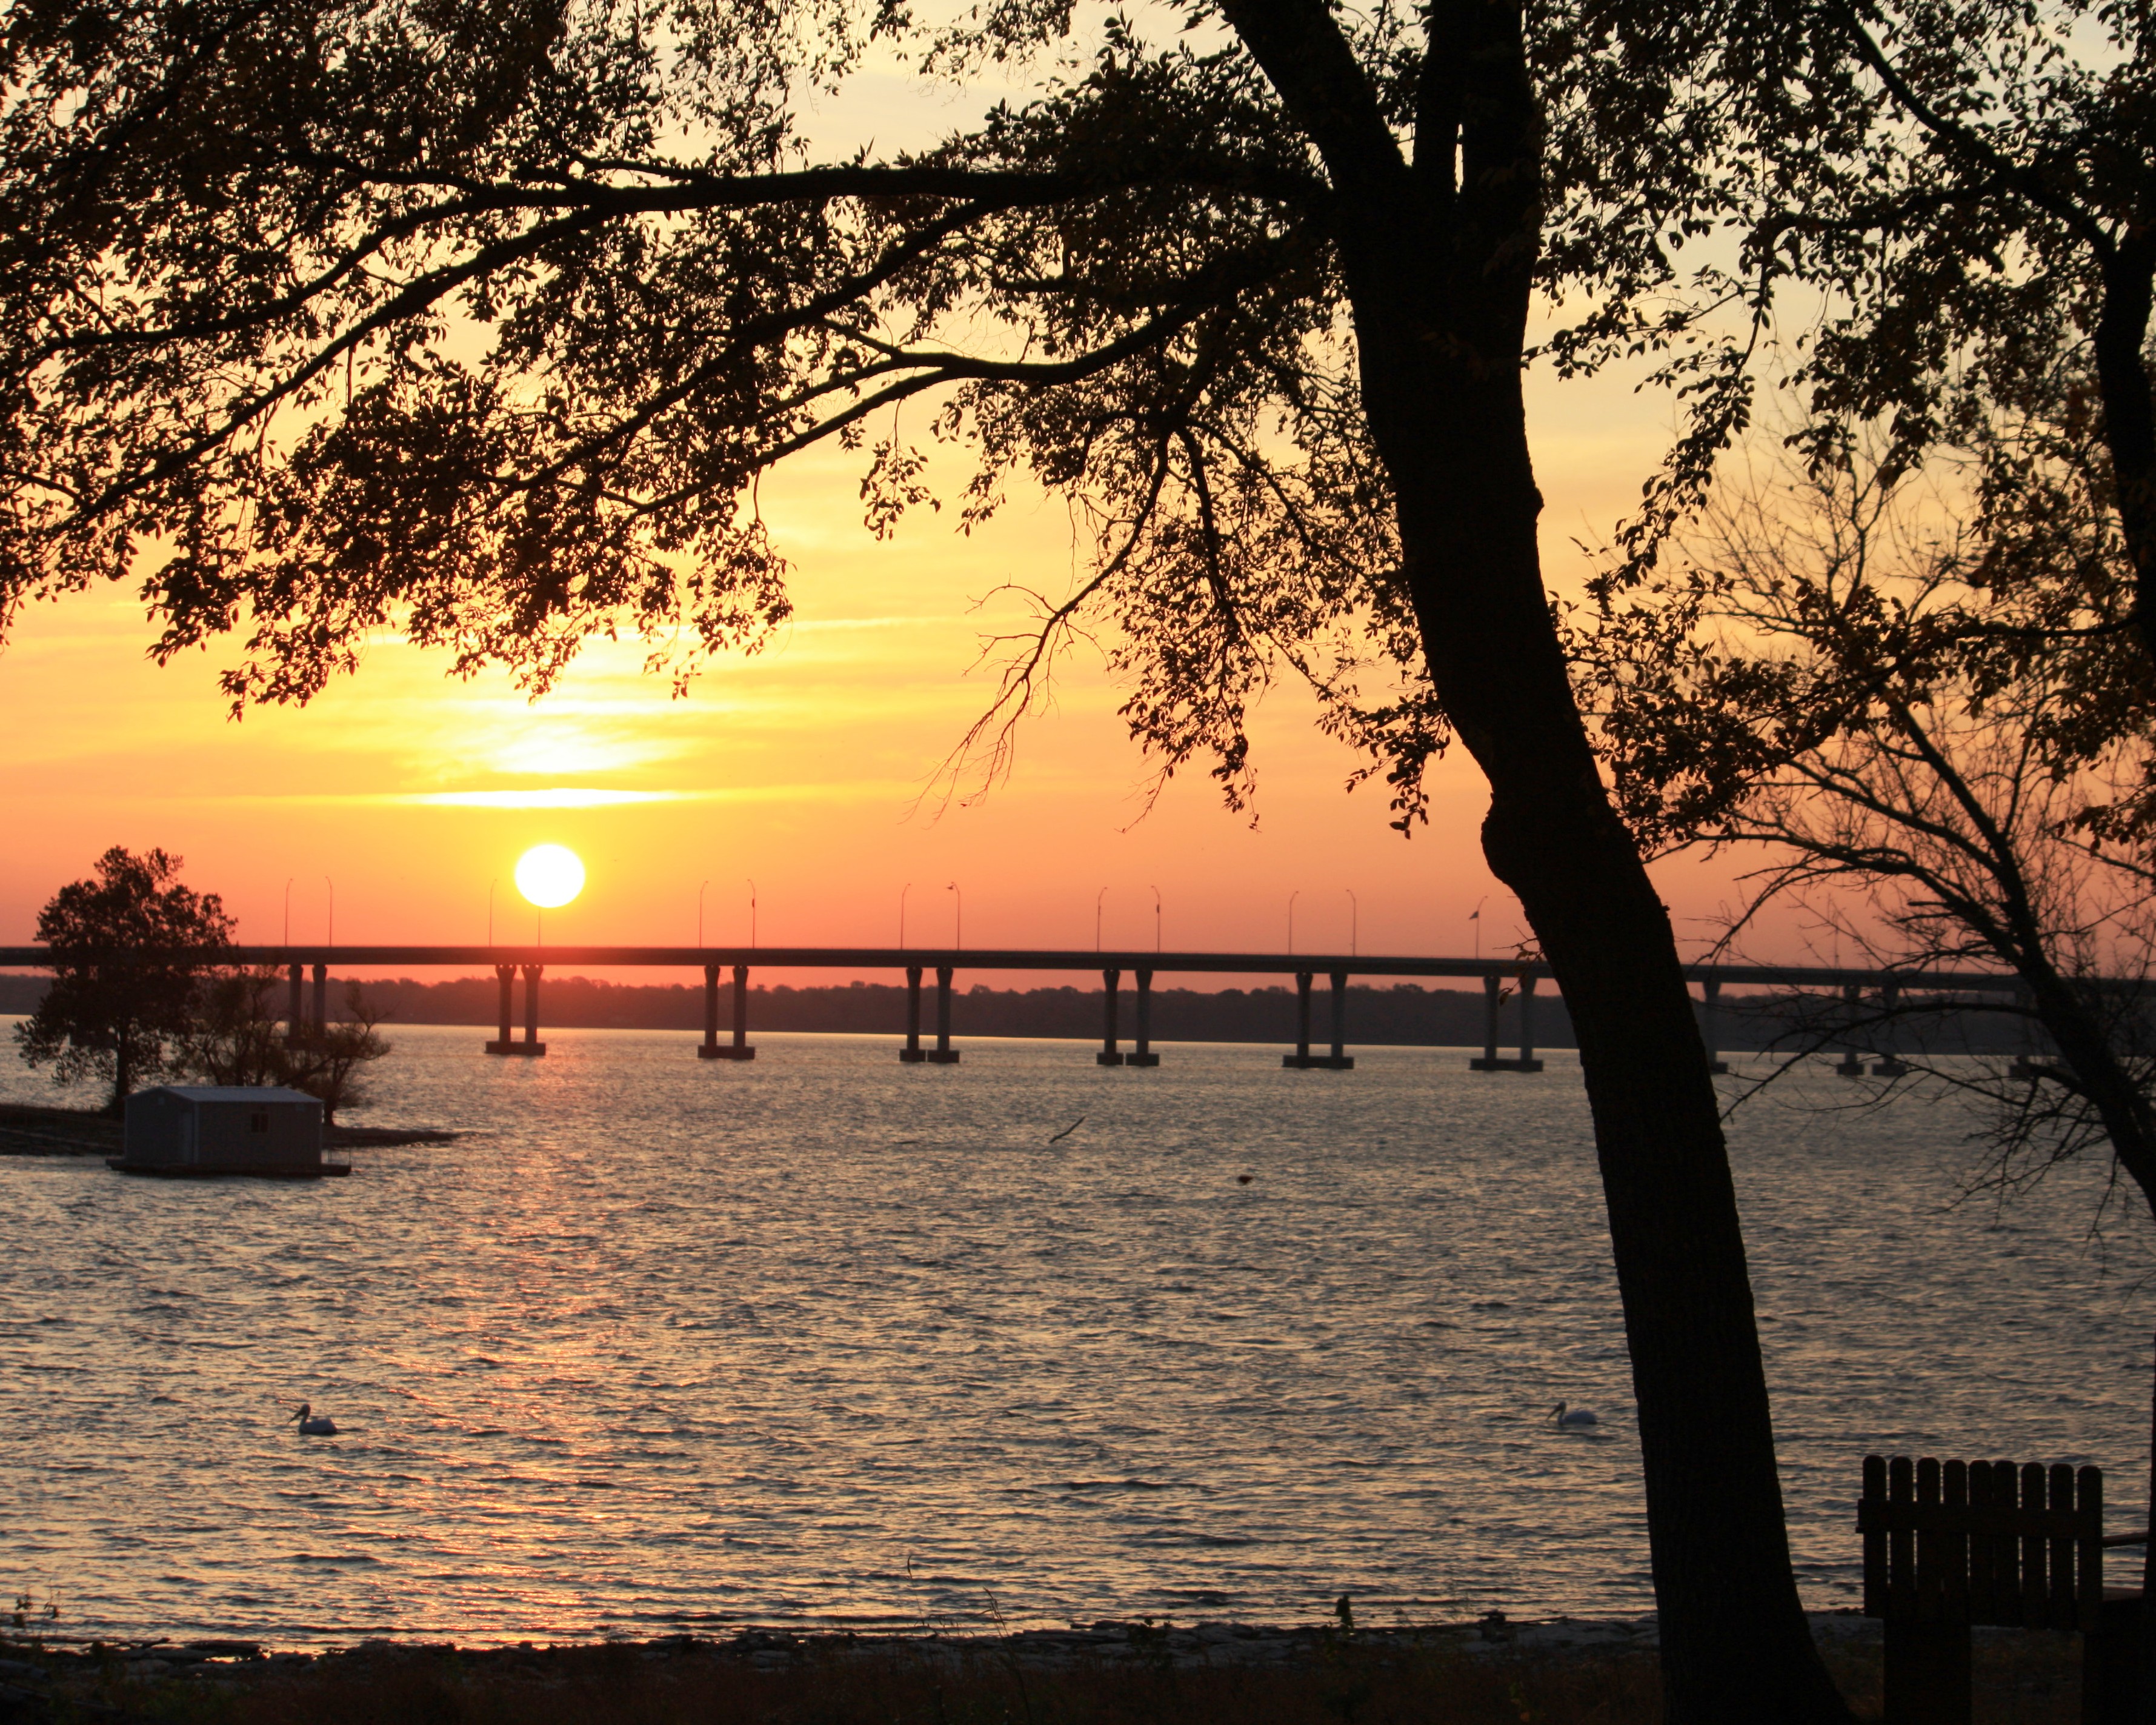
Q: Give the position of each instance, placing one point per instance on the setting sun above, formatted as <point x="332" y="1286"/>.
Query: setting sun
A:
<point x="550" y="876"/>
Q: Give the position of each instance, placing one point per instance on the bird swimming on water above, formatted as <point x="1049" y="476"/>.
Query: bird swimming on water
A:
<point x="311" y="1427"/>
<point x="1573" y="1416"/>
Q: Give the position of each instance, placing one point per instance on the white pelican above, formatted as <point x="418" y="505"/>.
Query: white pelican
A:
<point x="311" y="1427"/>
<point x="1573" y="1416"/>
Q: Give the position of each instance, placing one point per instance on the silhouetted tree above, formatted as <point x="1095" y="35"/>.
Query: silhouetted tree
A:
<point x="1864" y="697"/>
<point x="233" y="1034"/>
<point x="129" y="948"/>
<point x="485" y="321"/>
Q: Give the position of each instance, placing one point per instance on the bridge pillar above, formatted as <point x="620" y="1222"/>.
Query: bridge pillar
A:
<point x="943" y="1054"/>
<point x="2027" y="1066"/>
<point x="738" y="1049"/>
<point x="1340" y="1060"/>
<point x="708" y="1049"/>
<point x="529" y="1044"/>
<point x="1110" y="1054"/>
<point x="1710" y="1022"/>
<point x="1299" y="1058"/>
<point x="505" y="975"/>
<point x="1851" y="1064"/>
<point x="1142" y="1055"/>
<point x="1890" y="997"/>
<point x="1489" y="1060"/>
<point x="295" y="1024"/>
<point x="912" y="1054"/>
<point x="321" y="998"/>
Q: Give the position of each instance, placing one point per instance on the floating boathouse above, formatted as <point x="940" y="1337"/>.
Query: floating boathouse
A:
<point x="187" y="1130"/>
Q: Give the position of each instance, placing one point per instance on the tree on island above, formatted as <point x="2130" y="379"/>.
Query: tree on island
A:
<point x="485" y="323"/>
<point x="130" y="949"/>
<point x="233" y="1034"/>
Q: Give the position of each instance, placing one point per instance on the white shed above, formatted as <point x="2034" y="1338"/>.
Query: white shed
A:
<point x="205" y="1129"/>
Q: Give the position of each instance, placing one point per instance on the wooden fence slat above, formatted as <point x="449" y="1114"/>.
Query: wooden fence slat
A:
<point x="2036" y="1594"/>
<point x="2061" y="1557"/>
<point x="1901" y="1541"/>
<point x="1982" y="1601"/>
<point x="1875" y="1537"/>
<point x="2089" y="1589"/>
<point x="1953" y="1542"/>
<point x="2006" y="1548"/>
<point x="1930" y="1568"/>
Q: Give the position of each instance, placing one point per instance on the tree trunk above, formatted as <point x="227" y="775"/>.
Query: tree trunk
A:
<point x="2129" y="415"/>
<point x="1438" y="258"/>
<point x="1735" y="1645"/>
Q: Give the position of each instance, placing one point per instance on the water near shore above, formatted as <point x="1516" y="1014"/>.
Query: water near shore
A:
<point x="824" y="1338"/>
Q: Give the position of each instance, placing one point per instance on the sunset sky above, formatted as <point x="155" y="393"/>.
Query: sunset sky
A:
<point x="800" y="769"/>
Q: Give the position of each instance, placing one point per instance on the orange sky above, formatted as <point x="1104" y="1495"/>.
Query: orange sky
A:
<point x="798" y="769"/>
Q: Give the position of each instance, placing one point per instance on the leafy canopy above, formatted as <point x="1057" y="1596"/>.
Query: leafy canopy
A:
<point x="481" y="320"/>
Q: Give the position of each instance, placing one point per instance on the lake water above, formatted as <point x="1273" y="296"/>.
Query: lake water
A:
<point x="823" y="1338"/>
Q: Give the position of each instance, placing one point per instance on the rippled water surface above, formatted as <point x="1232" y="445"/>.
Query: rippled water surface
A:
<point x="823" y="1338"/>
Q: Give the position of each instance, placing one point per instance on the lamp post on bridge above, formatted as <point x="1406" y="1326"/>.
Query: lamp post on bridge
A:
<point x="752" y="913"/>
<point x="700" y="886"/>
<point x="1292" y="898"/>
<point x="1354" y="921"/>
<point x="958" y="917"/>
<point x="1156" y="919"/>
<point x="902" y="892"/>
<point x="1100" y="900"/>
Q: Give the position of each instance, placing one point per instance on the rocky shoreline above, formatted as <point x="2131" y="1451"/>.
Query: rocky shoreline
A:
<point x="1550" y="1669"/>
<point x="28" y="1130"/>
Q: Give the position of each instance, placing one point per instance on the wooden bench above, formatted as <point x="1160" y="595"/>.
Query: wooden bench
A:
<point x="1950" y="1545"/>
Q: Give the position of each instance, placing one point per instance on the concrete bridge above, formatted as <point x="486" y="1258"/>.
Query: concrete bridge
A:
<point x="917" y="963"/>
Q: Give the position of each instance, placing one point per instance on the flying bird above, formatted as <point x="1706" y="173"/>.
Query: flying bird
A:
<point x="1069" y="1129"/>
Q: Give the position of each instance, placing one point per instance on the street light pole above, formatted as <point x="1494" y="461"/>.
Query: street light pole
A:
<point x="1100" y="899"/>
<point x="1156" y="919"/>
<point x="1475" y="916"/>
<point x="752" y="913"/>
<point x="491" y="886"/>
<point x="288" y="909"/>
<point x="958" y="916"/>
<point x="700" y="914"/>
<point x="1354" y="921"/>
<point x="1292" y="898"/>
<point x="902" y="892"/>
<point x="332" y="885"/>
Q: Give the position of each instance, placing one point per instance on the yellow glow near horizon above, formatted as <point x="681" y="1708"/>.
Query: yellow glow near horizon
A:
<point x="550" y="876"/>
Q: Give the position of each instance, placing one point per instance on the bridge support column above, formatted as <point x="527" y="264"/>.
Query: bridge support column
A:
<point x="1890" y="997"/>
<point x="1299" y="1058"/>
<point x="505" y="975"/>
<point x="708" y="1049"/>
<point x="912" y="1054"/>
<point x="2027" y="1067"/>
<point x="1340" y="1060"/>
<point x="738" y="1049"/>
<point x="1710" y="1022"/>
<point x="1111" y="981"/>
<point x="321" y="998"/>
<point x="1851" y="1064"/>
<point x="943" y="1054"/>
<point x="1142" y="1055"/>
<point x="1489" y="1060"/>
<point x="295" y="1025"/>
<point x="529" y="1044"/>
